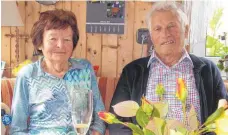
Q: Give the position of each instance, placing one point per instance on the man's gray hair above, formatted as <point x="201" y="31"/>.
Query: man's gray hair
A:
<point x="172" y="6"/>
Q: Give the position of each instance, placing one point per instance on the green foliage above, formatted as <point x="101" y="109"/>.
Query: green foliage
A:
<point x="136" y="130"/>
<point x="215" y="21"/>
<point x="226" y="69"/>
<point x="152" y="120"/>
<point x="155" y="113"/>
<point x="160" y="90"/>
<point x="142" y="117"/>
<point x="214" y="116"/>
<point x="148" y="132"/>
<point x="162" y="108"/>
<point x="213" y="44"/>
<point x="192" y="119"/>
<point x="147" y="108"/>
<point x="220" y="65"/>
<point x="183" y="131"/>
<point x="160" y="125"/>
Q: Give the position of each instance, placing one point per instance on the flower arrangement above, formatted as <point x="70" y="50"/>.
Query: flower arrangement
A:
<point x="151" y="117"/>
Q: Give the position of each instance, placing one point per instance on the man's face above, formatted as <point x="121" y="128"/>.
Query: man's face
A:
<point x="166" y="33"/>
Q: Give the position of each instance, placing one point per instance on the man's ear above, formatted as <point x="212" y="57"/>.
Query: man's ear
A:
<point x="186" y="30"/>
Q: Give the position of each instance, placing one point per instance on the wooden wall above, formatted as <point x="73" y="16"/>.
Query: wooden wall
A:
<point x="111" y="52"/>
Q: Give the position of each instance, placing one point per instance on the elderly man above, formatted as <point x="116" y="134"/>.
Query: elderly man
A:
<point x="169" y="61"/>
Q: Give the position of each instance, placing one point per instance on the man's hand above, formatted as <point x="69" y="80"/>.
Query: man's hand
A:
<point x="223" y="103"/>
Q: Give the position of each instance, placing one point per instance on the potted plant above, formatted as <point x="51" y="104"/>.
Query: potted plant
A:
<point x="223" y="64"/>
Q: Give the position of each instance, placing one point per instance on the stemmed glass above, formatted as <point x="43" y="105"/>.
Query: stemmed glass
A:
<point x="82" y="109"/>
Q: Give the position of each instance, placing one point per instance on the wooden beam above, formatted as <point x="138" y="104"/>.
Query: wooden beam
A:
<point x="32" y="13"/>
<point x="79" y="9"/>
<point x="5" y="50"/>
<point x="109" y="62"/>
<point x="94" y="50"/>
<point x="126" y="41"/>
<point x="141" y="10"/>
<point x="21" y="6"/>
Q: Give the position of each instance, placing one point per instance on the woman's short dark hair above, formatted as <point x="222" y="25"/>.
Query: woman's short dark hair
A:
<point x="54" y="19"/>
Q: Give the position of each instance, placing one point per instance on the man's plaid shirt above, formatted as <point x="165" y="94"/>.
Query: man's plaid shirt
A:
<point x="160" y="73"/>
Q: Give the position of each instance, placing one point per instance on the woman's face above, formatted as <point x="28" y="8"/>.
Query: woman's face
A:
<point x="166" y="33"/>
<point x="58" y="44"/>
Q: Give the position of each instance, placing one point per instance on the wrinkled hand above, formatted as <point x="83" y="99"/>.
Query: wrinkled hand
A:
<point x="223" y="103"/>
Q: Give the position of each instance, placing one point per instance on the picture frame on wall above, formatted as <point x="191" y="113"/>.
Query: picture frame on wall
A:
<point x="106" y="17"/>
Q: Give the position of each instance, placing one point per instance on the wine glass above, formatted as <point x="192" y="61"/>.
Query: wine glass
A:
<point x="82" y="109"/>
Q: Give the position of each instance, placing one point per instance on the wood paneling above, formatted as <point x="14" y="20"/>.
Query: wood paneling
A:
<point x="21" y="6"/>
<point x="78" y="7"/>
<point x="109" y="55"/>
<point x="46" y="7"/>
<point x="5" y="50"/>
<point x="32" y="11"/>
<point x="13" y="56"/>
<point x="109" y="61"/>
<point x="141" y="11"/>
<point x="109" y="51"/>
<point x="109" y="40"/>
<point x="126" y="41"/>
<point x="94" y="50"/>
<point x="67" y="5"/>
<point x="63" y="5"/>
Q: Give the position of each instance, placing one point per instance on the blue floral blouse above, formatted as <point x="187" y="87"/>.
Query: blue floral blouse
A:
<point x="44" y="98"/>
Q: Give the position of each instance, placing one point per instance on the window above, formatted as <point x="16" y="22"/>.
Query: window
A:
<point x="217" y="29"/>
<point x="201" y="14"/>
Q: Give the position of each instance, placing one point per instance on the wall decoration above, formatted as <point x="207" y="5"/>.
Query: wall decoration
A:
<point x="105" y="17"/>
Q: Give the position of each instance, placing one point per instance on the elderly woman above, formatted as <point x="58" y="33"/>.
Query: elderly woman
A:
<point x="169" y="61"/>
<point x="40" y="104"/>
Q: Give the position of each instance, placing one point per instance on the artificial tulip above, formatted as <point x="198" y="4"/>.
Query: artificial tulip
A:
<point x="181" y="92"/>
<point x="108" y="117"/>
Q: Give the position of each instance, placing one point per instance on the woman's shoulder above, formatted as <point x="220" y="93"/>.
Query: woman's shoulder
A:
<point x="28" y="70"/>
<point x="80" y="62"/>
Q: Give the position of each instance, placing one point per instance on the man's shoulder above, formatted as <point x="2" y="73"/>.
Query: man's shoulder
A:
<point x="198" y="61"/>
<point x="142" y="62"/>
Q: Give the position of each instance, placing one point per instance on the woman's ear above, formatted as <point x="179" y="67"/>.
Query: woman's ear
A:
<point x="40" y="47"/>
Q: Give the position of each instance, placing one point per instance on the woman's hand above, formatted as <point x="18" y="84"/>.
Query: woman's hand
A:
<point x="96" y="133"/>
